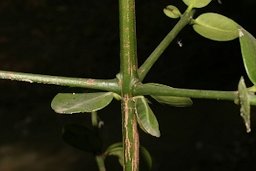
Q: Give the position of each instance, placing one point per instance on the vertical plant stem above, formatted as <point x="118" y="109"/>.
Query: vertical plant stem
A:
<point x="128" y="71"/>
<point x="94" y="118"/>
<point x="99" y="158"/>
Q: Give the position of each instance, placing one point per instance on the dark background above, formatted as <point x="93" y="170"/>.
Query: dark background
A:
<point x="80" y="38"/>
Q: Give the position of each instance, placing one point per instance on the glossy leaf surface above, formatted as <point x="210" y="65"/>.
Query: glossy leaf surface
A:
<point x="172" y="11"/>
<point x="174" y="101"/>
<point x="248" y="49"/>
<point x="245" y="104"/>
<point x="145" y="117"/>
<point x="197" y="3"/>
<point x="216" y="27"/>
<point x="69" y="103"/>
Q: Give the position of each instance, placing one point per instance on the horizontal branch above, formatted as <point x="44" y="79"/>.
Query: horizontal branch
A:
<point x="106" y="85"/>
<point x="154" y="89"/>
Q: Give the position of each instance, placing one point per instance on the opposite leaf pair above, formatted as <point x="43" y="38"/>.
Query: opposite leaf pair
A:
<point x="70" y="103"/>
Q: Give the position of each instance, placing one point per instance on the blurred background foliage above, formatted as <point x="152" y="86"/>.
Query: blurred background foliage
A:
<point x="80" y="38"/>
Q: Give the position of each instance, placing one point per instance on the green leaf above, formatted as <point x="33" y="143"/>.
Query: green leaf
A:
<point x="243" y="97"/>
<point x="146" y="156"/>
<point x="248" y="49"/>
<point x="116" y="150"/>
<point x="172" y="11"/>
<point x="216" y="27"/>
<point x="83" y="138"/>
<point x="145" y="117"/>
<point x="68" y="103"/>
<point x="171" y="100"/>
<point x="174" y="101"/>
<point x="197" y="3"/>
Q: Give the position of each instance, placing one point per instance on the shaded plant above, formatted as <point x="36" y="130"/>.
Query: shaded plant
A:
<point x="128" y="86"/>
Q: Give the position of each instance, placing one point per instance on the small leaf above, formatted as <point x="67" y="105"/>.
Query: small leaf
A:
<point x="116" y="150"/>
<point x="145" y="117"/>
<point x="78" y="103"/>
<point x="174" y="101"/>
<point x="171" y="100"/>
<point x="172" y="11"/>
<point x="197" y="3"/>
<point x="216" y="27"/>
<point x="243" y="97"/>
<point x="146" y="156"/>
<point x="248" y="49"/>
<point x="83" y="138"/>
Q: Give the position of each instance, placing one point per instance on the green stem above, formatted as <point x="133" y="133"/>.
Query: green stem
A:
<point x="106" y="85"/>
<point x="150" y="89"/>
<point x="146" y="66"/>
<point x="99" y="158"/>
<point x="128" y="71"/>
<point x="100" y="163"/>
<point x="154" y="89"/>
<point x="94" y="117"/>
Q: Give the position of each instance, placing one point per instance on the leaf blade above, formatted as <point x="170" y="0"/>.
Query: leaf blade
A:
<point x="116" y="150"/>
<point x="83" y="138"/>
<point x="174" y="101"/>
<point x="216" y="27"/>
<point x="197" y="3"/>
<point x="248" y="50"/>
<point x="172" y="11"/>
<point x="67" y="103"/>
<point x="145" y="117"/>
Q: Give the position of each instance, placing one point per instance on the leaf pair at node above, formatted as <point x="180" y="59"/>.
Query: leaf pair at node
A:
<point x="117" y="151"/>
<point x="173" y="12"/>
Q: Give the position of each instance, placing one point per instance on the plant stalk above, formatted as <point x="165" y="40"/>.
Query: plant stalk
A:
<point x="128" y="72"/>
<point x="106" y="85"/>
<point x="152" y="89"/>
<point x="150" y="61"/>
<point x="100" y="163"/>
<point x="100" y="159"/>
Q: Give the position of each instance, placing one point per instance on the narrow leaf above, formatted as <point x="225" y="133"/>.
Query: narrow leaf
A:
<point x="248" y="49"/>
<point x="68" y="103"/>
<point x="174" y="101"/>
<point x="216" y="27"/>
<point x="197" y="3"/>
<point x="145" y="117"/>
<point x="171" y="100"/>
<point x="244" y="100"/>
